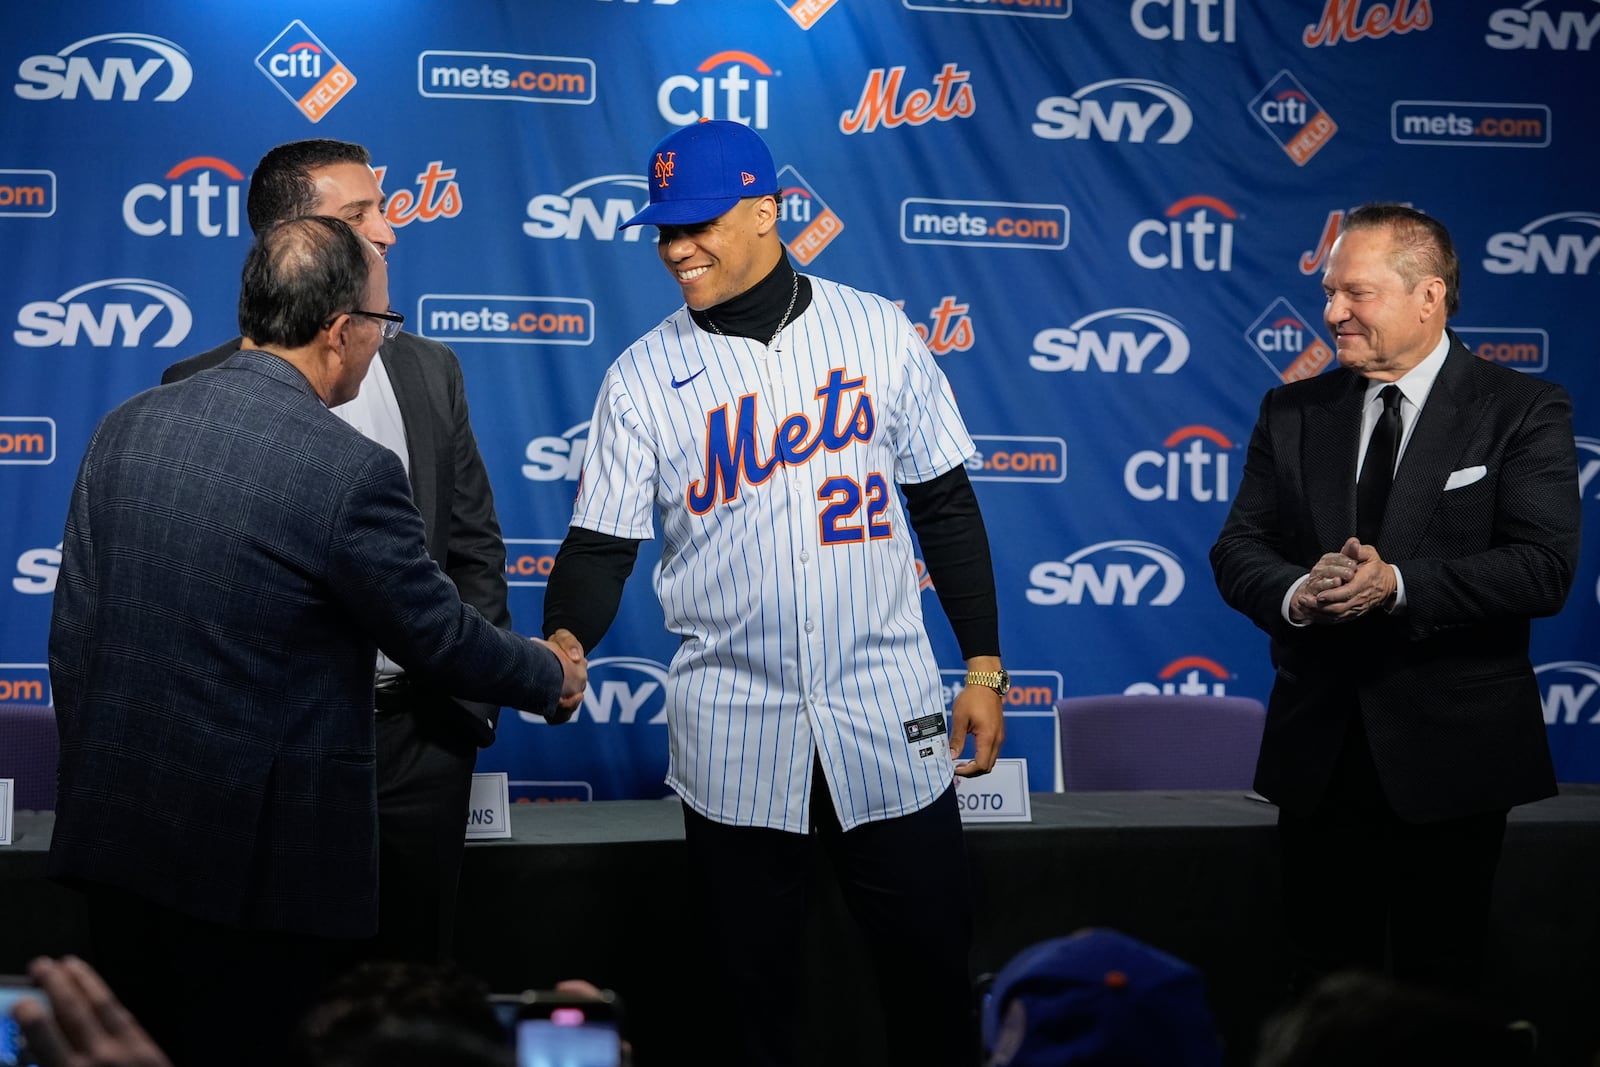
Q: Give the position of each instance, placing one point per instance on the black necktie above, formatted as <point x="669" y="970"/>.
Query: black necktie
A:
<point x="1377" y="470"/>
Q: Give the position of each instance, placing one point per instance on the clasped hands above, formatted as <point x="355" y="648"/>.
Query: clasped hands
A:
<point x="574" y="673"/>
<point x="1343" y="585"/>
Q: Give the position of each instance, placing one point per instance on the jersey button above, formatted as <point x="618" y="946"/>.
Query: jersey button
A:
<point x="805" y="557"/>
<point x="810" y="626"/>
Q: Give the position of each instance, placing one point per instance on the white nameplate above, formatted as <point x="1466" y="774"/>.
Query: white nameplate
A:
<point x="999" y="796"/>
<point x="489" y="812"/>
<point x="5" y="810"/>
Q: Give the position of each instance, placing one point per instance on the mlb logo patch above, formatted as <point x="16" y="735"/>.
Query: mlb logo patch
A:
<point x="305" y="71"/>
<point x="1295" y="120"/>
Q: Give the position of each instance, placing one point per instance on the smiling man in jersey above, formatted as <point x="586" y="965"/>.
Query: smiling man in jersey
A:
<point x="769" y="422"/>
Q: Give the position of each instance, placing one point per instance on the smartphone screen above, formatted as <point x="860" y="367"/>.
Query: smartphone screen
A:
<point x="12" y="990"/>
<point x="570" y="1034"/>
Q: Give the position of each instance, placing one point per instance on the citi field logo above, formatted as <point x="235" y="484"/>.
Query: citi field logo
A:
<point x="88" y="313"/>
<point x="305" y="71"/>
<point x="1191" y="464"/>
<point x="27" y="193"/>
<point x="190" y="199"/>
<point x="1118" y="109"/>
<point x="1017" y="459"/>
<point x="1526" y="350"/>
<point x="881" y="104"/>
<point x="722" y="87"/>
<point x="37" y="569"/>
<point x="1293" y="118"/>
<point x="1588" y="466"/>
<point x="25" y="683"/>
<point x="1531" y="26"/>
<point x="1035" y="9"/>
<point x="1110" y="572"/>
<point x="1186" y="676"/>
<point x="1116" y="341"/>
<point x="992" y="223"/>
<point x="506" y="76"/>
<point x="557" y="459"/>
<point x="1197" y="230"/>
<point x="438" y="196"/>
<point x="1031" y="692"/>
<point x="625" y="690"/>
<point x="529" y="560"/>
<point x="515" y="320"/>
<point x="1343" y="20"/>
<point x="26" y="441"/>
<point x="1563" y="243"/>
<point x="103" y="67"/>
<point x="806" y="224"/>
<point x="1291" y="349"/>
<point x="950" y="328"/>
<point x="1567" y="689"/>
<point x="596" y="207"/>
<point x="1175" y="21"/>
<point x="806" y="12"/>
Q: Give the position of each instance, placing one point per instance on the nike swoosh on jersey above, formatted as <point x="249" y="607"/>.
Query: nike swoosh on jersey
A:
<point x="677" y="384"/>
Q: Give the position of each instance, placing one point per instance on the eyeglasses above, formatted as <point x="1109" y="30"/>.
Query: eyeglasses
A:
<point x="392" y="321"/>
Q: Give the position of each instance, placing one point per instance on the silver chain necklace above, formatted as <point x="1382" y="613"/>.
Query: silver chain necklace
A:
<point x="794" y="294"/>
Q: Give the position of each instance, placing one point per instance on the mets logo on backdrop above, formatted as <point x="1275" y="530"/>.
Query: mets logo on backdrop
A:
<point x="1295" y="120"/>
<point x="1292" y="349"/>
<point x="805" y="223"/>
<point x="303" y="69"/>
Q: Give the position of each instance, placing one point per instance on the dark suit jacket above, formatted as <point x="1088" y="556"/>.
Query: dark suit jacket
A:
<point x="1445" y="688"/>
<point x="448" y="482"/>
<point x="234" y="555"/>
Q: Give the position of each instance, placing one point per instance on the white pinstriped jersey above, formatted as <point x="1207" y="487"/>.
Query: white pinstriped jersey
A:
<point x="786" y="563"/>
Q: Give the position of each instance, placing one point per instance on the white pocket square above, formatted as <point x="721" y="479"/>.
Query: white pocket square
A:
<point x="1464" y="476"/>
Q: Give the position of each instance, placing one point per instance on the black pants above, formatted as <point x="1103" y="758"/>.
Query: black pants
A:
<point x="1362" y="885"/>
<point x="424" y="788"/>
<point x="905" y="883"/>
<point x="209" y="994"/>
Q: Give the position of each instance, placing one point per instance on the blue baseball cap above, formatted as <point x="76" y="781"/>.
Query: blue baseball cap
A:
<point x="1098" y="998"/>
<point x="698" y="172"/>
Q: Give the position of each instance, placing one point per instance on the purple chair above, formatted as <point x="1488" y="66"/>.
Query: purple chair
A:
<point x="29" y="749"/>
<point x="1157" y="741"/>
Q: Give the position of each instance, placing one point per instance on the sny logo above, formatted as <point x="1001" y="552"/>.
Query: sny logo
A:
<point x="37" y="569"/>
<point x="555" y="459"/>
<point x="622" y="689"/>
<point x="59" y="77"/>
<point x="1193" y="670"/>
<point x="193" y="199"/>
<point x="1529" y="27"/>
<point x="1067" y="581"/>
<point x="1095" y="340"/>
<point x="733" y="84"/>
<point x="1547" y="242"/>
<point x="1295" y="120"/>
<point x="1115" y="110"/>
<point x="1210" y="244"/>
<point x="46" y="323"/>
<point x="1588" y="465"/>
<point x="1569" y="702"/>
<point x="303" y="69"/>
<point x="1286" y="344"/>
<point x="1208" y="468"/>
<point x="567" y="214"/>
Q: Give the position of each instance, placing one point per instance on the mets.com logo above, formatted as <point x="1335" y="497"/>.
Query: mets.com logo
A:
<point x="529" y="560"/>
<point x="625" y="690"/>
<point x="1032" y="692"/>
<point x="1117" y="340"/>
<point x="1563" y="243"/>
<point x="305" y="71"/>
<point x="1186" y="676"/>
<point x="518" y="320"/>
<point x="90" y="314"/>
<point x="1567" y="689"/>
<point x="25" y="683"/>
<point x="1111" y="572"/>
<point x="994" y="223"/>
<point x="1525" y="349"/>
<point x="1017" y="459"/>
<point x="1454" y="122"/>
<point x="27" y="441"/>
<point x="108" y="66"/>
<point x="27" y="193"/>
<point x="506" y="76"/>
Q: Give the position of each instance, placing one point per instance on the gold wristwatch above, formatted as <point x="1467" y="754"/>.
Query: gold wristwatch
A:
<point x="999" y="681"/>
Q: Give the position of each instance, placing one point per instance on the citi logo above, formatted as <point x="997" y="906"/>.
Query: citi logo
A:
<point x="624" y="690"/>
<point x="1186" y="676"/>
<point x="86" y="312"/>
<point x="1563" y="243"/>
<point x="25" y="683"/>
<point x="1161" y="244"/>
<point x="882" y="105"/>
<point x="1529" y="26"/>
<point x="557" y="459"/>
<point x="1175" y="21"/>
<point x="1118" y="109"/>
<point x="36" y="571"/>
<point x="1184" y="468"/>
<point x="529" y="560"/>
<point x="150" y="210"/>
<point x="597" y="207"/>
<point x="1111" y="572"/>
<point x="1567" y="689"/>
<point x="684" y="99"/>
<point x="59" y="77"/>
<point x="1588" y="465"/>
<point x="1119" y="340"/>
<point x="27" y="193"/>
<point x="27" y="441"/>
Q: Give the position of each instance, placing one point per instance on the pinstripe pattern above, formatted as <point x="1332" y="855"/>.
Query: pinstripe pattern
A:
<point x="790" y="645"/>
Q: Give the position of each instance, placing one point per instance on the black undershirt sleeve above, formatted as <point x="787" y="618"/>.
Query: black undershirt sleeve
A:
<point x="955" y="546"/>
<point x="586" y="582"/>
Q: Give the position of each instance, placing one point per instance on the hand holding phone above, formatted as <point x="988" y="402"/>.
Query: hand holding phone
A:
<point x="13" y="990"/>
<point x="556" y="1028"/>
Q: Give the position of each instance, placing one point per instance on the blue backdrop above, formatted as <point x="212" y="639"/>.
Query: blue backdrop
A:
<point x="1109" y="217"/>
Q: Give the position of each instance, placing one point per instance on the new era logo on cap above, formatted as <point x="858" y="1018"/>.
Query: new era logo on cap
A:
<point x="700" y="171"/>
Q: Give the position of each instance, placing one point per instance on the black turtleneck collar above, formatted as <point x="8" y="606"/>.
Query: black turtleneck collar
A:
<point x="756" y="312"/>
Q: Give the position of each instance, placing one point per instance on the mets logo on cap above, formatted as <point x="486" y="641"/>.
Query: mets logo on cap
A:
<point x="698" y="172"/>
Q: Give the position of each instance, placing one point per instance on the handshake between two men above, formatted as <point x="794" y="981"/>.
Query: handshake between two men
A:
<point x="574" y="673"/>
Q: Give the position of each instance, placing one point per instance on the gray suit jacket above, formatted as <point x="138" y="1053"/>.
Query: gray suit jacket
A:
<point x="448" y="482"/>
<point x="233" y="557"/>
<point x="1445" y="689"/>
